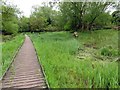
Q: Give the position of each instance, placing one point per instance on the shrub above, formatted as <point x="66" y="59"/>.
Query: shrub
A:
<point x="67" y="26"/>
<point x="51" y="28"/>
<point x="108" y="51"/>
<point x="11" y="28"/>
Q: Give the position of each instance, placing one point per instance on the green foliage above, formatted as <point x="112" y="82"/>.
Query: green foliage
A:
<point x="9" y="19"/>
<point x="51" y="28"/>
<point x="43" y="17"/>
<point x="103" y="20"/>
<point x="67" y="26"/>
<point x="70" y="16"/>
<point x="108" y="51"/>
<point x="8" y="50"/>
<point x="101" y="38"/>
<point x="37" y="23"/>
<point x="84" y="15"/>
<point x="11" y="27"/>
<point x="57" y="54"/>
<point x="24" y="24"/>
<point x="116" y="17"/>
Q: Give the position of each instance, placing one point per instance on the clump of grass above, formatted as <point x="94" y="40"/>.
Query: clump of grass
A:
<point x="8" y="50"/>
<point x="109" y="51"/>
<point x="56" y="52"/>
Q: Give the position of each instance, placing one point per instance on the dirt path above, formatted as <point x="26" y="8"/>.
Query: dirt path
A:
<point x="25" y="71"/>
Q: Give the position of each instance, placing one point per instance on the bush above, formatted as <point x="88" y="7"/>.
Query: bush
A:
<point x="67" y="26"/>
<point x="11" y="28"/>
<point x="108" y="51"/>
<point x="105" y="52"/>
<point x="51" y="28"/>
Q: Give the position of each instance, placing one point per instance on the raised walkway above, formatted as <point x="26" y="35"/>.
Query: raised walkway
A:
<point x="25" y="71"/>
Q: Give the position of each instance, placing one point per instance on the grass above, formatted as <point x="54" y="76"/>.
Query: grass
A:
<point x="58" y="52"/>
<point x="101" y="44"/>
<point x="8" y="50"/>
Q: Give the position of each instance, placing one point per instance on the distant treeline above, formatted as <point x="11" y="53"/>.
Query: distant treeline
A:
<point x="70" y="16"/>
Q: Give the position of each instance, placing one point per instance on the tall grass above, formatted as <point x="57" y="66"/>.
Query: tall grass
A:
<point x="100" y="38"/>
<point x="57" y="54"/>
<point x="8" y="50"/>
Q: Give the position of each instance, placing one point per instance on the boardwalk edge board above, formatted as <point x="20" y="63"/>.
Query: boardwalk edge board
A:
<point x="41" y="67"/>
<point x="13" y="58"/>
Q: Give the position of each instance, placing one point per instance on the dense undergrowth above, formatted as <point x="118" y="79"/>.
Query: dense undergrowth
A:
<point x="65" y="67"/>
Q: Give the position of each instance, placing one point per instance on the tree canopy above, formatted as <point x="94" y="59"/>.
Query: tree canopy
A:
<point x="9" y="19"/>
<point x="75" y="16"/>
<point x="85" y="15"/>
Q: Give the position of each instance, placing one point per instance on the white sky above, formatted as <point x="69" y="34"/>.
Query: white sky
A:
<point x="26" y="5"/>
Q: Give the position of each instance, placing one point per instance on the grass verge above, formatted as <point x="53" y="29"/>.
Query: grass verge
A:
<point x="8" y="50"/>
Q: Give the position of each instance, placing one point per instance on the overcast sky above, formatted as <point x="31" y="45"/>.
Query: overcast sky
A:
<point x="26" y="5"/>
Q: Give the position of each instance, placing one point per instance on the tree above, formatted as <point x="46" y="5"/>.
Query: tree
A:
<point x="116" y="17"/>
<point x="37" y="23"/>
<point x="9" y="19"/>
<point x="24" y="24"/>
<point x="37" y="20"/>
<point x="96" y="15"/>
<point x="83" y="15"/>
<point x="42" y="18"/>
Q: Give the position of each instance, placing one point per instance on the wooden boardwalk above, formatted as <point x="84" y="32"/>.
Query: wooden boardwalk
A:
<point x="25" y="71"/>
